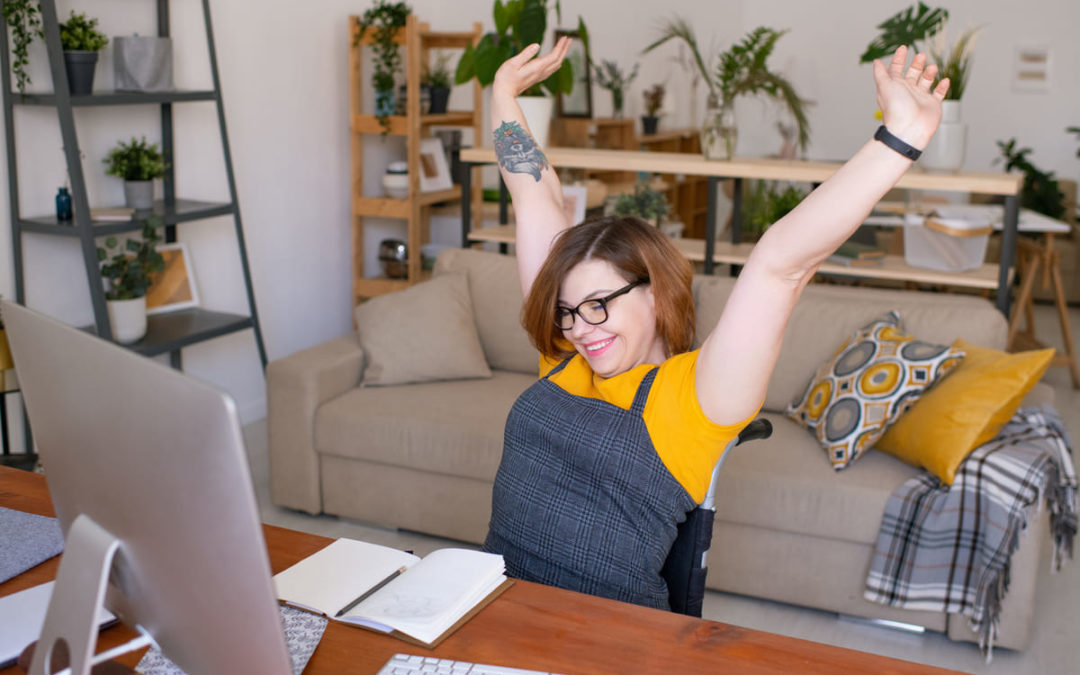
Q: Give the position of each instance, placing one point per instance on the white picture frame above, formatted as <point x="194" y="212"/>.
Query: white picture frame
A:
<point x="574" y="197"/>
<point x="434" y="171"/>
<point x="173" y="288"/>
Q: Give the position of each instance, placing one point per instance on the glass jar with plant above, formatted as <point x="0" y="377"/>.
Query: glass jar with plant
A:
<point x="23" y="17"/>
<point x="611" y="77"/>
<point x="81" y="40"/>
<point x="385" y="18"/>
<point x="741" y="70"/>
<point x="129" y="273"/>
<point x="518" y="24"/>
<point x="654" y="101"/>
<point x="436" y="78"/>
<point x="138" y="163"/>
<point x="645" y="202"/>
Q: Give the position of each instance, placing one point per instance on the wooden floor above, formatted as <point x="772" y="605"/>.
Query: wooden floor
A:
<point x="1054" y="645"/>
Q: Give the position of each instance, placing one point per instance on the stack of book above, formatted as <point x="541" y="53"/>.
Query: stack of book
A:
<point x="854" y="254"/>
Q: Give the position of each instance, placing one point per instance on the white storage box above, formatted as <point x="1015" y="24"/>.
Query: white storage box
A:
<point x="946" y="243"/>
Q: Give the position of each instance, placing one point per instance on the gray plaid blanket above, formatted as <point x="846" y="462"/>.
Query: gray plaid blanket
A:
<point x="948" y="549"/>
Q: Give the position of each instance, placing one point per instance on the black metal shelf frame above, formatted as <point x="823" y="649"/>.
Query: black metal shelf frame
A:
<point x="167" y="333"/>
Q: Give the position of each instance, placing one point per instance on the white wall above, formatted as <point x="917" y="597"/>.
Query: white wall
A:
<point x="283" y="73"/>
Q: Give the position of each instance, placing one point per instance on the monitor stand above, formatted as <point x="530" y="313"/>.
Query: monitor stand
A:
<point x="71" y="619"/>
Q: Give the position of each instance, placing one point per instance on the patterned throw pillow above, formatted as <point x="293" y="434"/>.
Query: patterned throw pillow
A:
<point x="875" y="376"/>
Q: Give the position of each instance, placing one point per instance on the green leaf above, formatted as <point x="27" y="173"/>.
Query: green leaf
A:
<point x="905" y="28"/>
<point x="502" y="17"/>
<point x="532" y="24"/>
<point x="466" y="68"/>
<point x="583" y="33"/>
<point x="488" y="59"/>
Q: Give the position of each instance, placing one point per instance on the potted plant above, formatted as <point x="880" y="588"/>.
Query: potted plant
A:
<point x="923" y="24"/>
<point x="128" y="273"/>
<point x="81" y="40"/>
<point x="24" y="19"/>
<point x="645" y="202"/>
<point x="741" y="70"/>
<point x="436" y="78"/>
<point x="518" y="24"/>
<point x="1040" y="191"/>
<point x="764" y="204"/>
<point x="654" y="101"/>
<point x="611" y="77"/>
<point x="385" y="18"/>
<point x="138" y="163"/>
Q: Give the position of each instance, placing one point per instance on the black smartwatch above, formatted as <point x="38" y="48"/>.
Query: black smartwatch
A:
<point x="882" y="134"/>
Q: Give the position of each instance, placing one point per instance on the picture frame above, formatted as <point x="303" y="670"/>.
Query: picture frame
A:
<point x="578" y="103"/>
<point x="434" y="169"/>
<point x="574" y="197"/>
<point x="173" y="288"/>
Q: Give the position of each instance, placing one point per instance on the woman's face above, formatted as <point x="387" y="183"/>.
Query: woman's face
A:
<point x="628" y="338"/>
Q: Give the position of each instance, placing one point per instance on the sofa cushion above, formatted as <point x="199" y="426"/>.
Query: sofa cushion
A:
<point x="967" y="409"/>
<point x="826" y="314"/>
<point x="420" y="334"/>
<point x="453" y="428"/>
<point x="496" y="295"/>
<point x="877" y="374"/>
<point x="802" y="493"/>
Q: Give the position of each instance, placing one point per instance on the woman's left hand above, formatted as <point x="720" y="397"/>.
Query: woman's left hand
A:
<point x="911" y="110"/>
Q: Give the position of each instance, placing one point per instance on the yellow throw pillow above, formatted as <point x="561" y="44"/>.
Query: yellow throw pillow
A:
<point x="965" y="409"/>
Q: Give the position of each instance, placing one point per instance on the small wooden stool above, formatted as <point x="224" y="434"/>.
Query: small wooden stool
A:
<point x="1030" y="256"/>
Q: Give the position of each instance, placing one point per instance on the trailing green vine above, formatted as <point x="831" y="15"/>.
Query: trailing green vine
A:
<point x="386" y="18"/>
<point x="24" y="19"/>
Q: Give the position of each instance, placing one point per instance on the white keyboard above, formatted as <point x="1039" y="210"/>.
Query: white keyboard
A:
<point x="409" y="664"/>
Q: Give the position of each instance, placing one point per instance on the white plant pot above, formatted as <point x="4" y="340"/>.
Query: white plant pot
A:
<point x="537" y="111"/>
<point x="127" y="319"/>
<point x="946" y="149"/>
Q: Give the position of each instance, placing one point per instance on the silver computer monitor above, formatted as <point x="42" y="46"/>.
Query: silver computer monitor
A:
<point x="148" y="475"/>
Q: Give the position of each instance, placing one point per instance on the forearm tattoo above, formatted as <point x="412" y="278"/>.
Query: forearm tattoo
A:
<point x="517" y="152"/>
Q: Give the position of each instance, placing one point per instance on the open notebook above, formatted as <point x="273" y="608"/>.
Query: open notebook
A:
<point x="420" y="600"/>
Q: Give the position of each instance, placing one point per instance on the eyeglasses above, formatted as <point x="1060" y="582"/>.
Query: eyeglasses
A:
<point x="592" y="311"/>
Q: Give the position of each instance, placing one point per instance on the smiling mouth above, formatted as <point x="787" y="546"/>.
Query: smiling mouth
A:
<point x="599" y="346"/>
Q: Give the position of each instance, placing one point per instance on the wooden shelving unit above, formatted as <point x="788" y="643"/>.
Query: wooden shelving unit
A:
<point x="417" y="40"/>
<point x="687" y="195"/>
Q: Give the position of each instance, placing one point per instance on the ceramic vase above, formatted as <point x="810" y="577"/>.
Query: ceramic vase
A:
<point x="537" y="111"/>
<point x="127" y="319"/>
<point x="945" y="151"/>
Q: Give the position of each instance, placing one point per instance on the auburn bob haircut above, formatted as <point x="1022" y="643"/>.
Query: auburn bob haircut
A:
<point x="639" y="251"/>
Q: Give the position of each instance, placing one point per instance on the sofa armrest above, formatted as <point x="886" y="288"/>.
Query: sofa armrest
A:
<point x="295" y="388"/>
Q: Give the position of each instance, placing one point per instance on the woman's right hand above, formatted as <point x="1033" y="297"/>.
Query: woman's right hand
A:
<point x="522" y="71"/>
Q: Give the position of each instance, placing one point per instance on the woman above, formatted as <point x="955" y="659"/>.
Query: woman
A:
<point x="616" y="442"/>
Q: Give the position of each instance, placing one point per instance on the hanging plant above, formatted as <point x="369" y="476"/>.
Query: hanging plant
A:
<point x="24" y="19"/>
<point x="386" y="19"/>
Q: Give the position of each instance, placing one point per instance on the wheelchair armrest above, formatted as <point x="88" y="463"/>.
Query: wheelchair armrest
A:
<point x="758" y="429"/>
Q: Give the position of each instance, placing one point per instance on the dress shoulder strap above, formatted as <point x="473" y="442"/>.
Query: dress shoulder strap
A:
<point x="643" y="390"/>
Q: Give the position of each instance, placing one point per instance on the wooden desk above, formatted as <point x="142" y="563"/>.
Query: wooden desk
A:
<point x="1007" y="185"/>
<point x="529" y="626"/>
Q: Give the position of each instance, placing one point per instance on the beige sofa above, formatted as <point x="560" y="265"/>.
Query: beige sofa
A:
<point x="423" y="456"/>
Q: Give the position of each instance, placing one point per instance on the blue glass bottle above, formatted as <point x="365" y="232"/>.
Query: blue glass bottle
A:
<point x="63" y="205"/>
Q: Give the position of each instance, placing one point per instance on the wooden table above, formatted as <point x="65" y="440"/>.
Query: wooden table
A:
<point x="739" y="168"/>
<point x="529" y="626"/>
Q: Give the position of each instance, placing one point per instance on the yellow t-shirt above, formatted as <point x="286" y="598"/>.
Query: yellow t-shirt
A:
<point x="688" y="443"/>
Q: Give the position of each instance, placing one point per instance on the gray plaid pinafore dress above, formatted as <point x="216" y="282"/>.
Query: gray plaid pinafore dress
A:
<point x="581" y="499"/>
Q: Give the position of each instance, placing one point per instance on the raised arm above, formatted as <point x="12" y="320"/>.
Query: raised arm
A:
<point x="738" y="357"/>
<point x="533" y="185"/>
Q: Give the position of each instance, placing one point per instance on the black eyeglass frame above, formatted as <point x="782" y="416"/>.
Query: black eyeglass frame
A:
<point x="576" y="311"/>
